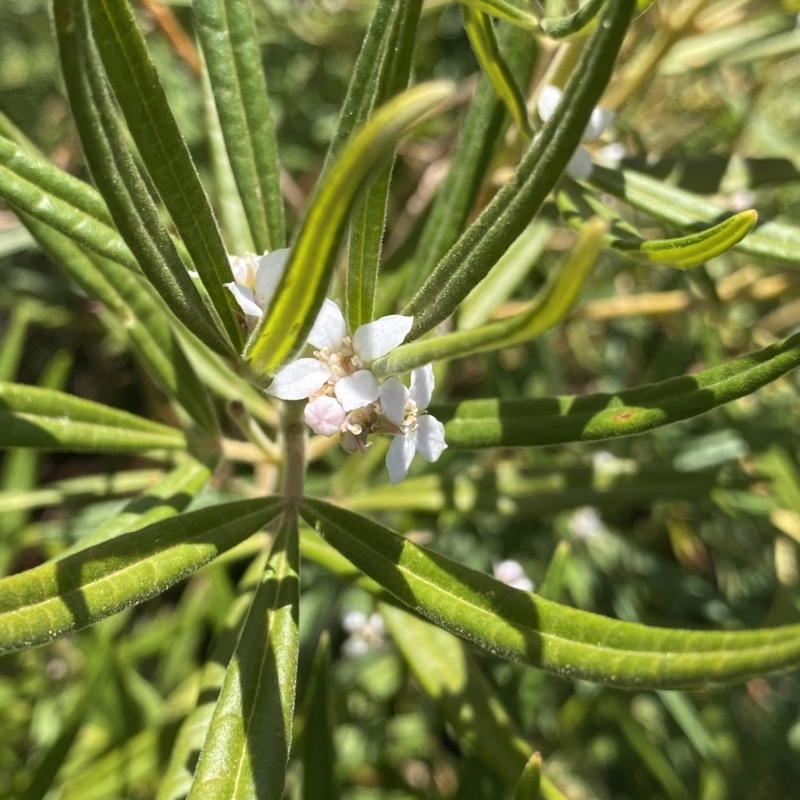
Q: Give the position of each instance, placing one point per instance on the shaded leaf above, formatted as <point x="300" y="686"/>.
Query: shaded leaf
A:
<point x="521" y="626"/>
<point x="74" y="592"/>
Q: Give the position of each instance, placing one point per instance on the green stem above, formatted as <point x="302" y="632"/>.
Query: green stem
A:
<point x="293" y="435"/>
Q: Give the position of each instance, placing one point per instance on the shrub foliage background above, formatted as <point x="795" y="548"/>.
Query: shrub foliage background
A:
<point x="226" y="607"/>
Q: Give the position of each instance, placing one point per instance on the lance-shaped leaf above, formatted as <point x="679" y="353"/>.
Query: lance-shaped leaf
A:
<point x="775" y="241"/>
<point x="70" y="594"/>
<point x="477" y="139"/>
<point x="26" y="185"/>
<point x="177" y="780"/>
<point x="319" y="754"/>
<point x="247" y="747"/>
<point x="547" y="311"/>
<point x="132" y="309"/>
<point x="577" y="204"/>
<point x="369" y="215"/>
<point x="305" y="280"/>
<point x="503" y="220"/>
<point x="50" y="420"/>
<point x="503" y="9"/>
<point x="227" y="31"/>
<point x="360" y="98"/>
<point x="117" y="175"/>
<point x="84" y="486"/>
<point x="524" y="627"/>
<point x="166" y="499"/>
<point x="141" y="97"/>
<point x="480" y="30"/>
<point x="532" y="494"/>
<point x="529" y="785"/>
<point x="556" y="420"/>
<point x="561" y="27"/>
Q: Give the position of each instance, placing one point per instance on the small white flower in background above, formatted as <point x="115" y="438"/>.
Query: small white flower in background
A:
<point x="580" y="165"/>
<point x="586" y="523"/>
<point x="339" y="366"/>
<point x="365" y="633"/>
<point x="510" y="572"/>
<point x="420" y="433"/>
<point x="255" y="279"/>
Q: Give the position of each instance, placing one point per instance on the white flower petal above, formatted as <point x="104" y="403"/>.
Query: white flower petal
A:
<point x="430" y="438"/>
<point x="394" y="397"/>
<point x="580" y="165"/>
<point x="329" y="328"/>
<point x="508" y="571"/>
<point x="244" y="269"/>
<point x="299" y="379"/>
<point x="399" y="457"/>
<point x="324" y="415"/>
<point x="549" y="98"/>
<point x="422" y="386"/>
<point x="376" y="339"/>
<point x="269" y="272"/>
<point x="601" y="118"/>
<point x="357" y="390"/>
<point x="244" y="297"/>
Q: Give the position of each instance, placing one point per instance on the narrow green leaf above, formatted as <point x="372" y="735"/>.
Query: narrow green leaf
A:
<point x="84" y="486"/>
<point x="555" y="420"/>
<point x="305" y="280"/>
<point x="20" y="470"/>
<point x="477" y="140"/>
<point x="502" y="9"/>
<point x="562" y="27"/>
<point x="369" y="214"/>
<point x="531" y="494"/>
<point x="167" y="498"/>
<point x="177" y="779"/>
<point x="577" y="204"/>
<point x="522" y="626"/>
<point x="775" y="241"/>
<point x="480" y="30"/>
<point x="510" y="211"/>
<point x="247" y="747"/>
<point x="227" y="32"/>
<point x="528" y="786"/>
<point x="319" y="755"/>
<point x="509" y="272"/>
<point x="141" y="97"/>
<point x="50" y="420"/>
<point x="232" y="218"/>
<point x="27" y="164"/>
<point x="359" y="100"/>
<point x="117" y="176"/>
<point x="133" y="310"/>
<point x="87" y="231"/>
<point x="72" y="593"/>
<point x="13" y="343"/>
<point x="556" y="300"/>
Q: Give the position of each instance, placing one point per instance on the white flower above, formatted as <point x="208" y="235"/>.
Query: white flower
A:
<point x="365" y="633"/>
<point x="580" y="165"/>
<point x="421" y="433"/>
<point x="339" y="366"/>
<point x="510" y="572"/>
<point x="255" y="279"/>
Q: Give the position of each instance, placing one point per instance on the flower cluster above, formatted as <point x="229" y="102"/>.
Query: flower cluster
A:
<point x="344" y="395"/>
<point x="580" y="165"/>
